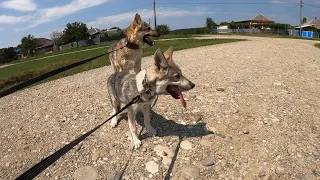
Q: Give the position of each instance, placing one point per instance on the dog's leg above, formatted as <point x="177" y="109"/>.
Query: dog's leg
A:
<point x="116" y="107"/>
<point x="146" y="115"/>
<point x="137" y="66"/>
<point x="133" y="129"/>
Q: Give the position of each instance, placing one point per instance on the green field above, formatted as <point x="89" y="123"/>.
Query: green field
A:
<point x="17" y="73"/>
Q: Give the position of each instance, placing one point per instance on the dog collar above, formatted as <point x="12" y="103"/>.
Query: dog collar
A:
<point x="131" y="45"/>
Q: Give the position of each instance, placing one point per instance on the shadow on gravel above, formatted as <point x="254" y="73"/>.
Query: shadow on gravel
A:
<point x="166" y="127"/>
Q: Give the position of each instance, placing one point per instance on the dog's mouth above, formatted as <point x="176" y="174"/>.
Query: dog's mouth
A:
<point x="175" y="92"/>
<point x="148" y="40"/>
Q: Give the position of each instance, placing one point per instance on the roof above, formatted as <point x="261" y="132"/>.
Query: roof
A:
<point x="43" y="41"/>
<point x="311" y="23"/>
<point x="258" y="18"/>
<point x="93" y="31"/>
<point x="261" y="17"/>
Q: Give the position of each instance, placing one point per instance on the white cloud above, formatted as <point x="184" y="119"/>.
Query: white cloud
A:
<point x="4" y="19"/>
<point x="48" y="14"/>
<point x="145" y="14"/>
<point x="19" y="5"/>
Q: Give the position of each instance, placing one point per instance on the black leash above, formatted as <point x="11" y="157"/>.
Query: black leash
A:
<point x="42" y="165"/>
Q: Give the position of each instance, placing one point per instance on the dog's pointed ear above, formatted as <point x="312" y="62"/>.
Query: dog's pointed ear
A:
<point x="168" y="54"/>
<point x="137" y="18"/>
<point x="160" y="60"/>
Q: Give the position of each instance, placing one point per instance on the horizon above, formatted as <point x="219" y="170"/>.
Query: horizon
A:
<point x="18" y="18"/>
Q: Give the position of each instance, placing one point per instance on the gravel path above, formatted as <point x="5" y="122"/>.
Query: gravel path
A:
<point x="261" y="98"/>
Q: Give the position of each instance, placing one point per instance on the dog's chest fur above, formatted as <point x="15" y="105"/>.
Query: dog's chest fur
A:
<point x="124" y="87"/>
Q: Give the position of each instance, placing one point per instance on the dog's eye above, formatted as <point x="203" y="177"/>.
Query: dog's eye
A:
<point x="178" y="76"/>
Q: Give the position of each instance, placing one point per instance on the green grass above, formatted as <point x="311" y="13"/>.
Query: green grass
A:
<point x="18" y="73"/>
<point x="317" y="45"/>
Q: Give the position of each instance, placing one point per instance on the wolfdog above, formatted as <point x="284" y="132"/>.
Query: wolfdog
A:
<point x="127" y="53"/>
<point x="161" y="78"/>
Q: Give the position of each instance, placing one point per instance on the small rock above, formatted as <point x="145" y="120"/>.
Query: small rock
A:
<point x="231" y="147"/>
<point x="7" y="164"/>
<point x="277" y="83"/>
<point x="86" y="172"/>
<point x="245" y="131"/>
<point x="273" y="177"/>
<point x="166" y="160"/>
<point x="206" y="143"/>
<point x="191" y="171"/>
<point x="220" y="89"/>
<point x="208" y="162"/>
<point x="162" y="150"/>
<point x="223" y="163"/>
<point x="291" y="149"/>
<point x="186" y="145"/>
<point x="96" y="156"/>
<point x="280" y="170"/>
<point x="315" y="153"/>
<point x="143" y="149"/>
<point x="262" y="174"/>
<point x="152" y="167"/>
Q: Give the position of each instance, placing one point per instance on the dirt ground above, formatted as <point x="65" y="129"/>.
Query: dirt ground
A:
<point x="254" y="114"/>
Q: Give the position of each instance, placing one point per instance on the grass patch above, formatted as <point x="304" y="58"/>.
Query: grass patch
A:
<point x="317" y="45"/>
<point x="18" y="73"/>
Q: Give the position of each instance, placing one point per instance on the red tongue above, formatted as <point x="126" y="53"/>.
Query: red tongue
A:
<point x="183" y="102"/>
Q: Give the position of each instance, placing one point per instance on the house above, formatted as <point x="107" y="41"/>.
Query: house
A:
<point x="258" y="19"/>
<point x="45" y="46"/>
<point x="94" y="33"/>
<point x="310" y="25"/>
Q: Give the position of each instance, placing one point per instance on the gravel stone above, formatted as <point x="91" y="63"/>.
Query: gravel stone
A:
<point x="152" y="167"/>
<point x="208" y="162"/>
<point x="86" y="172"/>
<point x="186" y="145"/>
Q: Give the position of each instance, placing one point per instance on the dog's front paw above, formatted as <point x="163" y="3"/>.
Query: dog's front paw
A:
<point x="151" y="131"/>
<point x="136" y="143"/>
<point x="114" y="122"/>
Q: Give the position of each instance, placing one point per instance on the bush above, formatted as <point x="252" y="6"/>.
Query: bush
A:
<point x="7" y="55"/>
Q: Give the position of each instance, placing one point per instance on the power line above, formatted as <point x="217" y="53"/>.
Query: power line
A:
<point x="289" y="10"/>
<point x="228" y="3"/>
<point x="312" y="5"/>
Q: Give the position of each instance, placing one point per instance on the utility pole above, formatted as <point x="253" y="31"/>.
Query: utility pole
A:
<point x="301" y="5"/>
<point x="154" y="14"/>
<point x="149" y="21"/>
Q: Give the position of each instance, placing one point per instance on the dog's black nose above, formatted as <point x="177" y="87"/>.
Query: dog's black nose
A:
<point x="192" y="85"/>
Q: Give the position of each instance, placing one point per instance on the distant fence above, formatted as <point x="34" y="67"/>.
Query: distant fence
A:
<point x="89" y="42"/>
<point x="290" y="32"/>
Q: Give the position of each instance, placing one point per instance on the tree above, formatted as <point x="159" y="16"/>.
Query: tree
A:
<point x="224" y="23"/>
<point x="304" y="20"/>
<point x="56" y="37"/>
<point x="115" y="27"/>
<point x="163" y="29"/>
<point x="7" y="54"/>
<point x="75" y="32"/>
<point x="210" y="24"/>
<point x="29" y="45"/>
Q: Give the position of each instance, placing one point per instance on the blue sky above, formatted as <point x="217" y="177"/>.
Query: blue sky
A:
<point x="18" y="18"/>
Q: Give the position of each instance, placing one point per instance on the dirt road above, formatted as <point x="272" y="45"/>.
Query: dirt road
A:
<point x="260" y="98"/>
